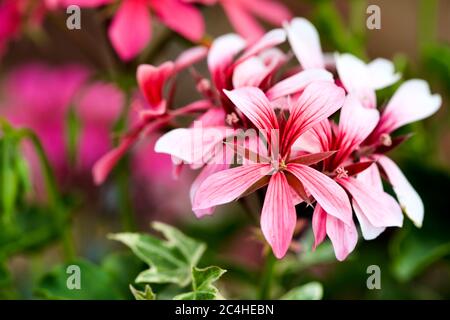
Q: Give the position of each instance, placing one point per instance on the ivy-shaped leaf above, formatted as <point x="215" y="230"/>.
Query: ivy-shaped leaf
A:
<point x="202" y="285"/>
<point x="170" y="260"/>
<point x="147" y="294"/>
<point x="309" y="291"/>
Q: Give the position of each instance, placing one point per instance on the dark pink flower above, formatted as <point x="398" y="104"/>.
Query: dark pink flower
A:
<point x="283" y="174"/>
<point x="130" y="29"/>
<point x="39" y="97"/>
<point x="412" y="101"/>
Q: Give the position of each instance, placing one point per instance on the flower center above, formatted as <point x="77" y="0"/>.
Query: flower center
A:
<point x="341" y="172"/>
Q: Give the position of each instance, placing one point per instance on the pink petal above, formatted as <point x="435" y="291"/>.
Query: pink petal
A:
<point x="242" y="20"/>
<point x="105" y="164"/>
<point x="355" y="76"/>
<point x="368" y="230"/>
<point x="278" y="217"/>
<point x="180" y="17"/>
<point x="269" y="10"/>
<point x="371" y="176"/>
<point x="190" y="57"/>
<point x="319" y="225"/>
<point x="408" y="197"/>
<point x="250" y="73"/>
<point x="343" y="237"/>
<point x="100" y="104"/>
<point x="227" y="185"/>
<point x="297" y="83"/>
<point x="85" y="3"/>
<point x="355" y="124"/>
<point x="214" y="117"/>
<point x="130" y="30"/>
<point x="269" y="40"/>
<point x="192" y="145"/>
<point x="305" y="43"/>
<point x="221" y="55"/>
<point x="382" y="73"/>
<point x="380" y="209"/>
<point x="151" y="82"/>
<point x="413" y="101"/>
<point x="317" y="139"/>
<point x="253" y="103"/>
<point x="318" y="101"/>
<point x="331" y="197"/>
<point x="207" y="170"/>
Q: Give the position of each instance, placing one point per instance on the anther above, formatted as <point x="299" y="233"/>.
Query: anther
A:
<point x="386" y="140"/>
<point x="341" y="173"/>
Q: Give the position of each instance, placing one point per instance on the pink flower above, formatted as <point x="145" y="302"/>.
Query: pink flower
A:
<point x="358" y="78"/>
<point x="412" y="101"/>
<point x="363" y="79"/>
<point x="241" y="14"/>
<point x="98" y="107"/>
<point x="152" y="107"/>
<point x="130" y="29"/>
<point x="39" y="97"/>
<point x="19" y="15"/>
<point x="287" y="175"/>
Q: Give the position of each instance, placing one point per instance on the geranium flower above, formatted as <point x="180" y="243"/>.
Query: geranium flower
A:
<point x="242" y="15"/>
<point x="130" y="29"/>
<point x="152" y="107"/>
<point x="27" y="103"/>
<point x="374" y="208"/>
<point x="232" y="64"/>
<point x="357" y="77"/>
<point x="412" y="101"/>
<point x="318" y="101"/>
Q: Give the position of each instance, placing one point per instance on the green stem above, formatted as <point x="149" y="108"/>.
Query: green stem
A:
<point x="126" y="206"/>
<point x="50" y="184"/>
<point x="53" y="194"/>
<point x="267" y="277"/>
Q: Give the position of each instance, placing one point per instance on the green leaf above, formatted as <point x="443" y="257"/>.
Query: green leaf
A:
<point x="170" y="261"/>
<point x="143" y="295"/>
<point x="4" y="274"/>
<point x="202" y="285"/>
<point x="123" y="267"/>
<point x="414" y="251"/>
<point x="95" y="283"/>
<point x="309" y="291"/>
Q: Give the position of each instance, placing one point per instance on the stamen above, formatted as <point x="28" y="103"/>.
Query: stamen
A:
<point x="232" y="118"/>
<point x="386" y="140"/>
<point x="204" y="85"/>
<point x="341" y="172"/>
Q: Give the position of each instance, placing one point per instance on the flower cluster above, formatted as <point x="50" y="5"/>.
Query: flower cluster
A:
<point x="317" y="135"/>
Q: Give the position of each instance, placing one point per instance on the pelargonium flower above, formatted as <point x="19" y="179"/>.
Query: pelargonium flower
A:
<point x="278" y="218"/>
<point x="357" y="77"/>
<point x="16" y="15"/>
<point x="39" y="97"/>
<point x="152" y="106"/>
<point x="241" y="14"/>
<point x="411" y="102"/>
<point x="233" y="64"/>
<point x="374" y="208"/>
<point x="130" y="29"/>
